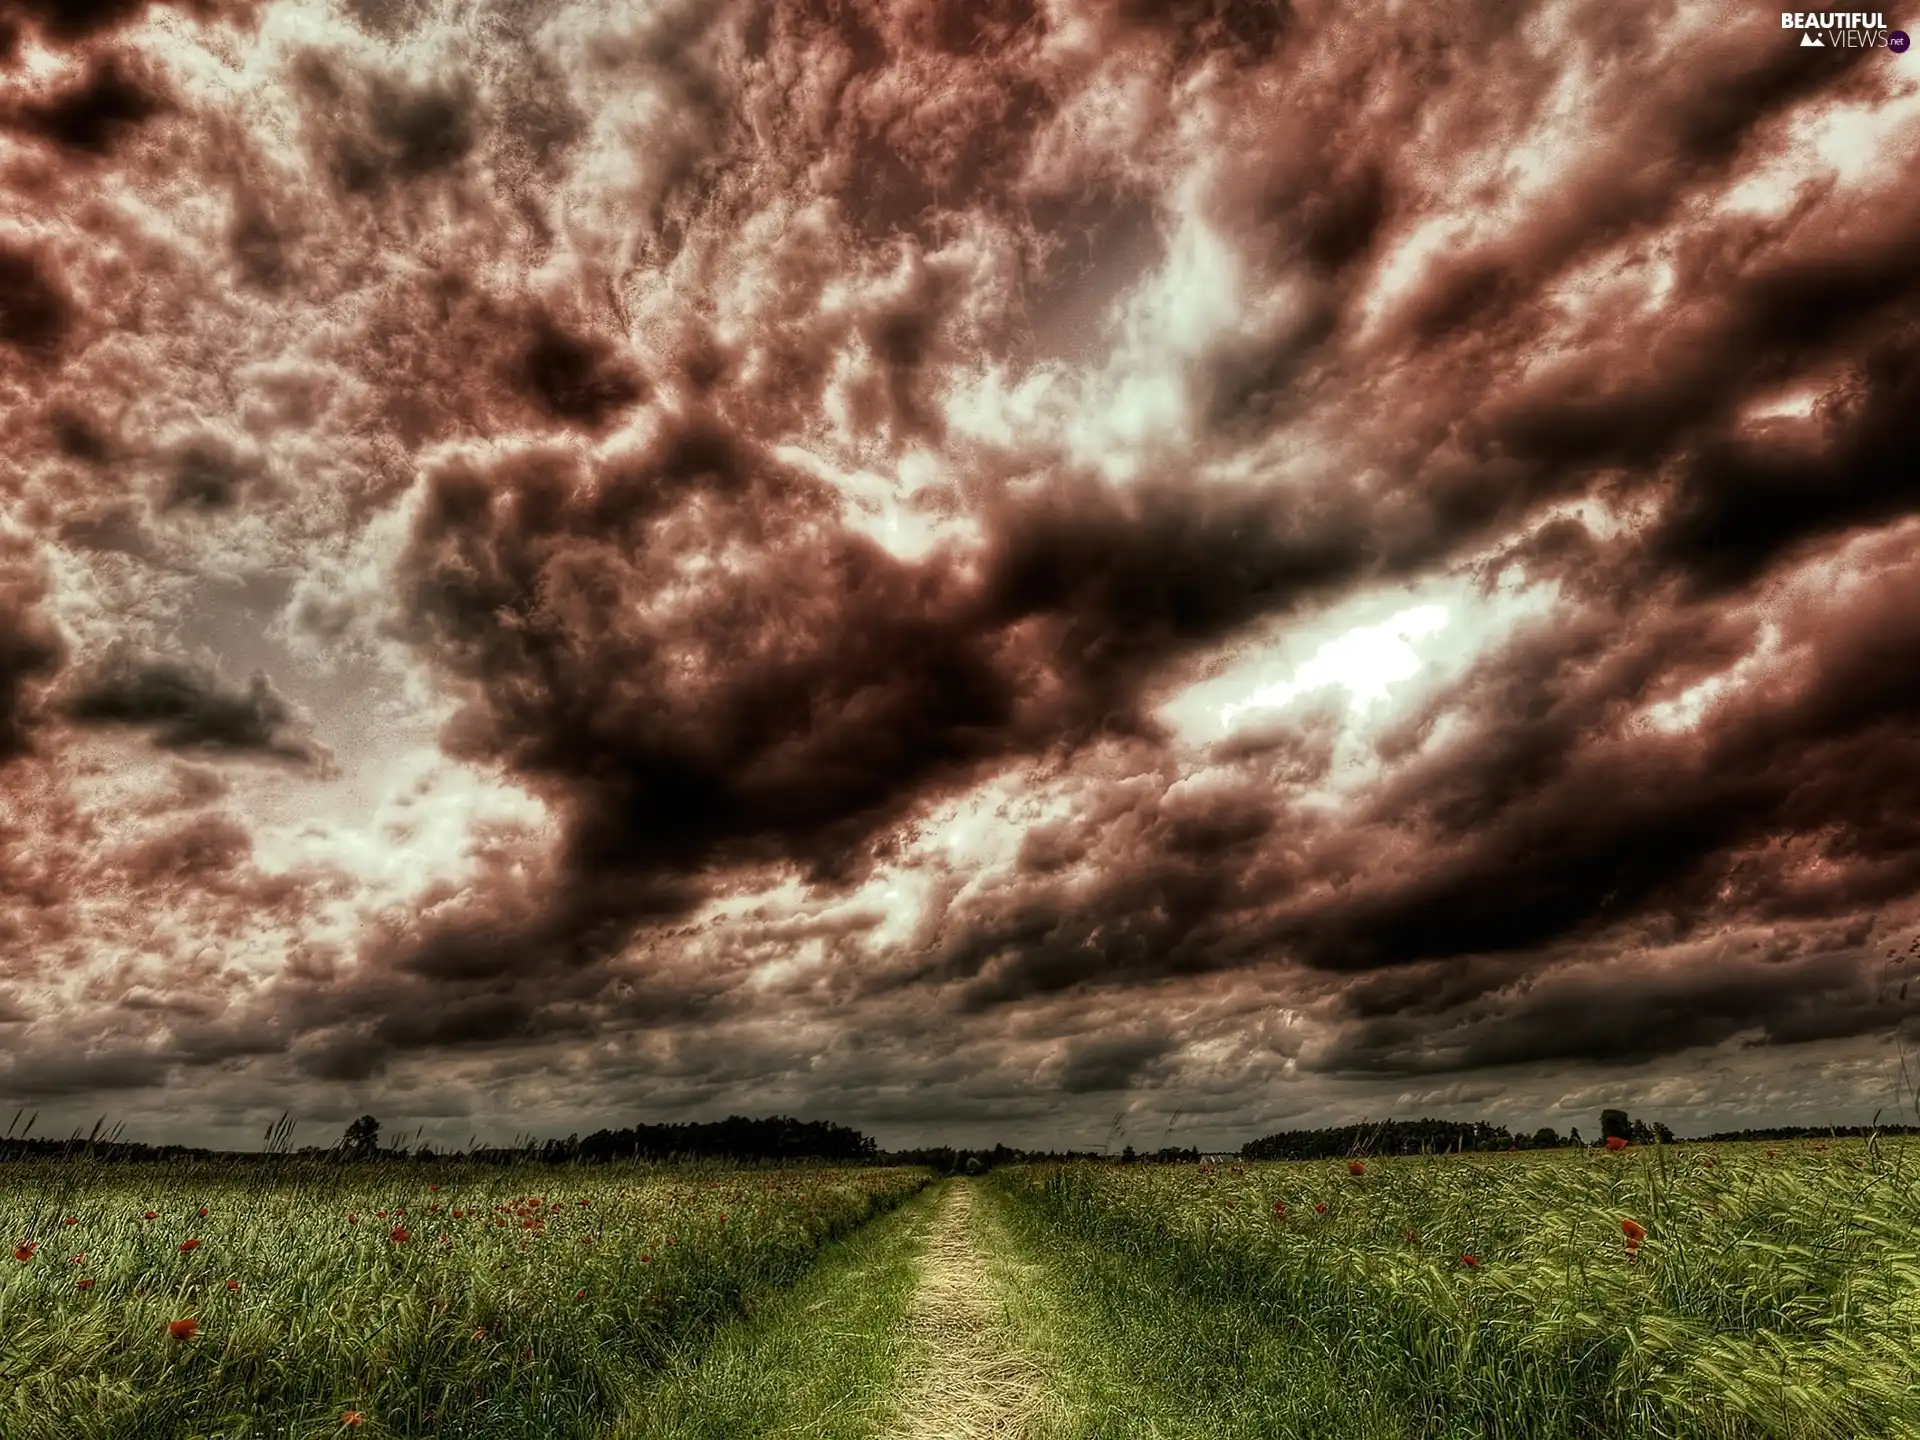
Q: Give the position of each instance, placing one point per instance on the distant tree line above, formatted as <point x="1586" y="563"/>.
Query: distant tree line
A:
<point x="1435" y="1137"/>
<point x="778" y="1137"/>
<point x="781" y="1138"/>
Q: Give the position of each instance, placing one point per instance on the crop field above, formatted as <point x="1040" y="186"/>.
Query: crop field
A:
<point x="1690" y="1291"/>
<point x="390" y="1300"/>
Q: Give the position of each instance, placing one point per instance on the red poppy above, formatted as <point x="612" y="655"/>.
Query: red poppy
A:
<point x="586" y="1202"/>
<point x="1616" y="1142"/>
<point x="723" y="1217"/>
<point x="579" y="1294"/>
<point x="203" y="1212"/>
<point x="434" y="1189"/>
<point x="233" y="1284"/>
<point x="83" y="1284"/>
<point x="1354" y="1167"/>
<point x="1770" y="1155"/>
<point x="352" y="1219"/>
<point x="586" y="1239"/>
<point x="79" y="1259"/>
<point x="71" y="1220"/>
<point x="646" y="1259"/>
<point x="186" y="1245"/>
<point x="1321" y="1208"/>
<point x="152" y="1215"/>
<point x="381" y="1214"/>
<point x="398" y="1235"/>
<point x="183" y="1329"/>
<point x="1472" y="1262"/>
<point x="1633" y="1230"/>
<point x="481" y="1333"/>
<point x="1413" y="1237"/>
<point x="1279" y="1207"/>
<point x="353" y="1417"/>
<point x="459" y="1214"/>
<point x="24" y="1252"/>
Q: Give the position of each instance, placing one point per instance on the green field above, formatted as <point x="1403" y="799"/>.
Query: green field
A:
<point x="1709" y="1291"/>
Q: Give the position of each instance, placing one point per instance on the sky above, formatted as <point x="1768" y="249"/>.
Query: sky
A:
<point x="1068" y="572"/>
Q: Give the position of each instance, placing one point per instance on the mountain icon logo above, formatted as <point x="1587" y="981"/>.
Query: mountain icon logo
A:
<point x="1809" y="40"/>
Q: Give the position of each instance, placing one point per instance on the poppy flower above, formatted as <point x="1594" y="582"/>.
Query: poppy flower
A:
<point x="186" y="1245"/>
<point x="1633" y="1230"/>
<point x="24" y="1251"/>
<point x="1321" y="1208"/>
<point x="1413" y="1237"/>
<point x="586" y="1202"/>
<point x="1472" y="1262"/>
<point x="433" y="1189"/>
<point x="352" y="1219"/>
<point x="398" y="1235"/>
<point x="1279" y="1207"/>
<point x="71" y="1220"/>
<point x="233" y="1284"/>
<point x="579" y="1294"/>
<point x="152" y="1215"/>
<point x="381" y="1214"/>
<point x="481" y="1333"/>
<point x="646" y="1259"/>
<point x="79" y="1259"/>
<point x="1616" y="1142"/>
<point x="203" y="1212"/>
<point x="459" y="1214"/>
<point x="1354" y="1167"/>
<point x="353" y="1417"/>
<point x="83" y="1284"/>
<point x="183" y="1329"/>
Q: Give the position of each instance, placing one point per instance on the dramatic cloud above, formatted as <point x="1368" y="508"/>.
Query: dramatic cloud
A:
<point x="188" y="707"/>
<point x="965" y="567"/>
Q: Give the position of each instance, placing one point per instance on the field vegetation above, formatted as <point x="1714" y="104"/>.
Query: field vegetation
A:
<point x="308" y="1298"/>
<point x="1696" y="1291"/>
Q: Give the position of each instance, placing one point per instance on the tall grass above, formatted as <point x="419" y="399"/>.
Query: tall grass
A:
<point x="1774" y="1294"/>
<point x="545" y="1307"/>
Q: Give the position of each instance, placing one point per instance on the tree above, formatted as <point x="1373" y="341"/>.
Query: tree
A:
<point x="1545" y="1138"/>
<point x="362" y="1139"/>
<point x="1614" y="1125"/>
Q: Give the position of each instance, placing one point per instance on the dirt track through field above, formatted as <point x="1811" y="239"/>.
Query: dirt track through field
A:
<point x="969" y="1378"/>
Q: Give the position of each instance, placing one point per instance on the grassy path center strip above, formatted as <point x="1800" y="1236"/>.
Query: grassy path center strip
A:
<point x="970" y="1377"/>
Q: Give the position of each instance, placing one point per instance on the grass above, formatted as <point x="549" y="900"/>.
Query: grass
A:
<point x="1775" y="1295"/>
<point x="1738" y="1292"/>
<point x="821" y="1360"/>
<point x="512" y="1319"/>
<point x="1133" y="1351"/>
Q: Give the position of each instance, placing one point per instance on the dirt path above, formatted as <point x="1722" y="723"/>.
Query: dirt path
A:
<point x="969" y="1379"/>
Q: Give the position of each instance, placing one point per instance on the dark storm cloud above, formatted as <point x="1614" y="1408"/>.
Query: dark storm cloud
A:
<point x="206" y="474"/>
<point x="189" y="708"/>
<point x="31" y="649"/>
<point x="576" y="379"/>
<point x="596" y="370"/>
<point x="95" y="113"/>
<point x="37" y="312"/>
<point x="1623" y="1015"/>
<point x="66" y="22"/>
<point x="375" y="132"/>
